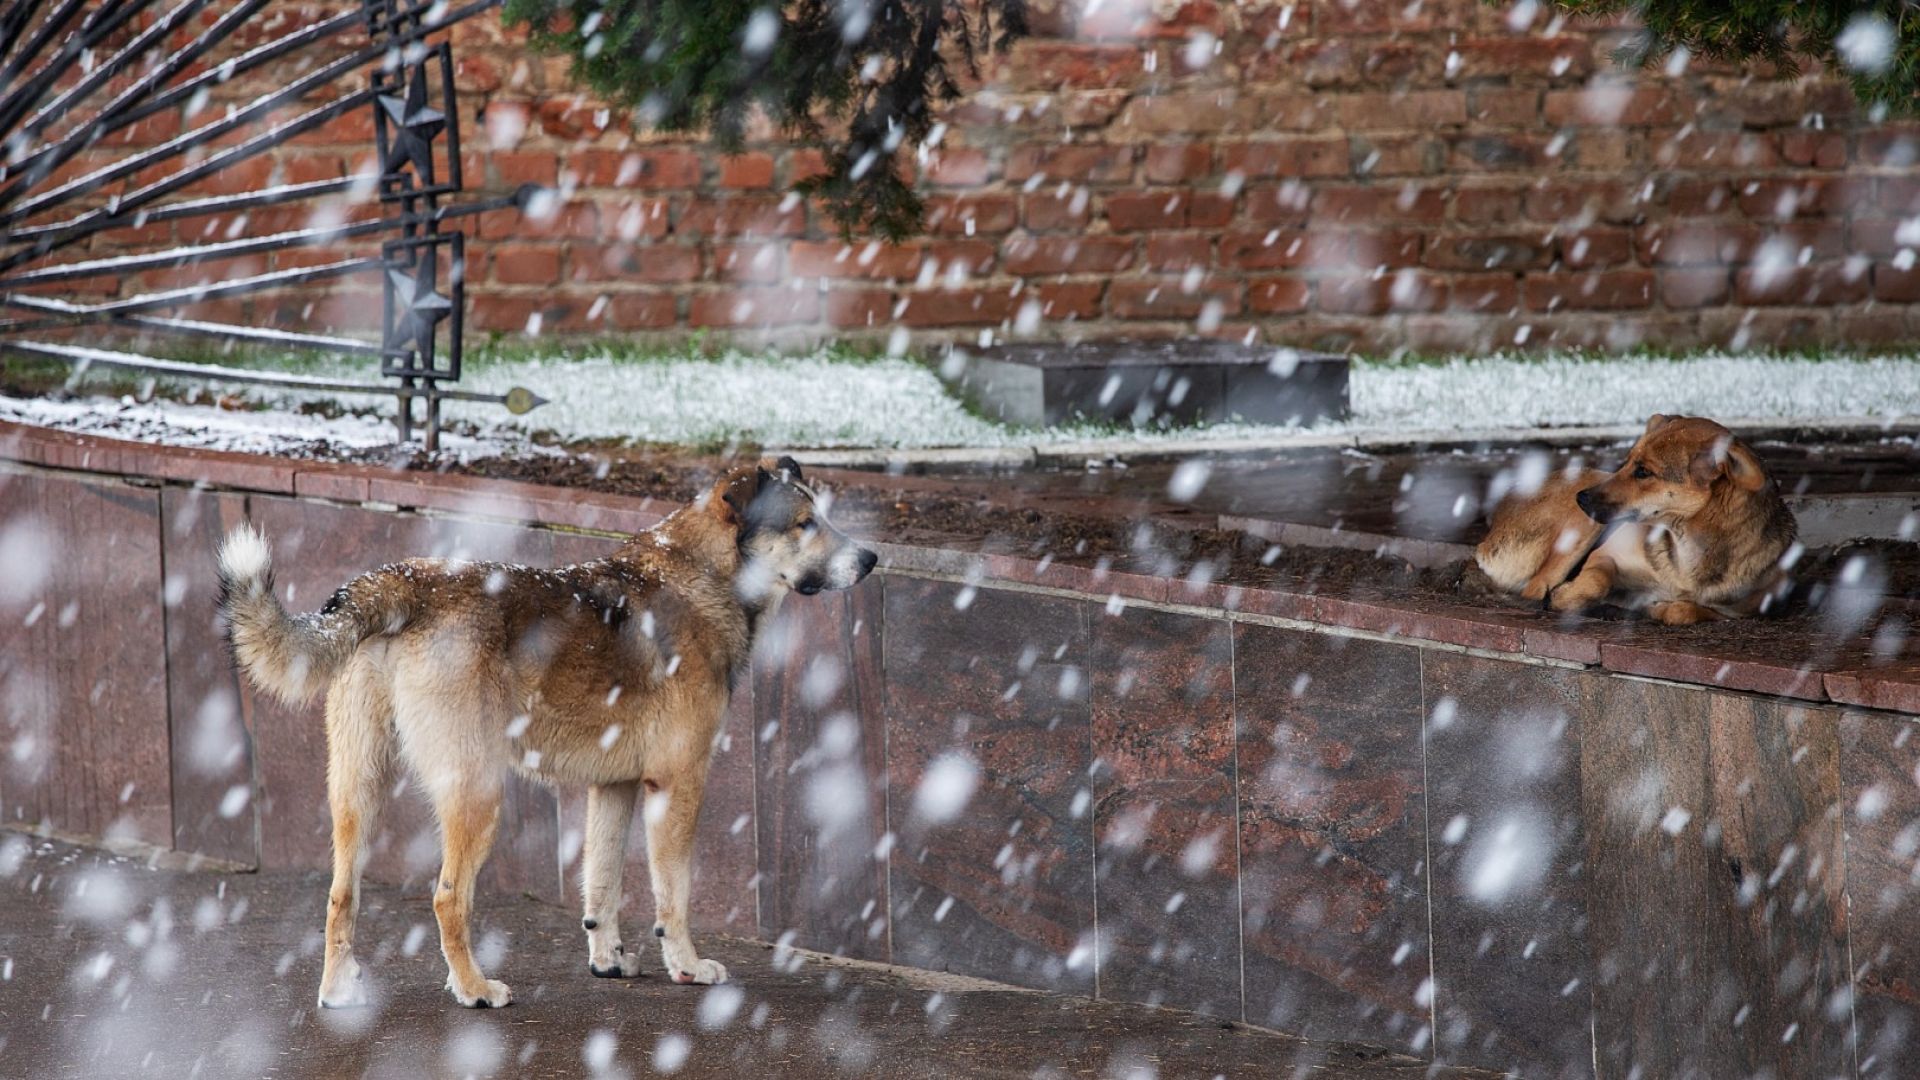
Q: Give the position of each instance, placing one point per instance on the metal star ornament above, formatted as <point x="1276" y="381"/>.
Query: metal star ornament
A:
<point x="415" y="125"/>
<point x="418" y="308"/>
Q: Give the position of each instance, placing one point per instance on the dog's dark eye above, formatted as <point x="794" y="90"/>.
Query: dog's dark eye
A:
<point x="809" y="526"/>
<point x="1641" y="472"/>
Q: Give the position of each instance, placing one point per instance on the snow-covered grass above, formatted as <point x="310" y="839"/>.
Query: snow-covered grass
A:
<point x="832" y="398"/>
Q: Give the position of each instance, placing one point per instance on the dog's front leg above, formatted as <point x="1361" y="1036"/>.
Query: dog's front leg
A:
<point x="1588" y="588"/>
<point x="609" y="815"/>
<point x="671" y="814"/>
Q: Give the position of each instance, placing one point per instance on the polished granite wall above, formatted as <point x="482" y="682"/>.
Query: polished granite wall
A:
<point x="1487" y="859"/>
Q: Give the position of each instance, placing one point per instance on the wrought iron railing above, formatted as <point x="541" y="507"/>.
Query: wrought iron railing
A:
<point x="76" y="73"/>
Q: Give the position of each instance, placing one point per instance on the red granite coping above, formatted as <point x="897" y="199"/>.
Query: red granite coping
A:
<point x="1895" y="688"/>
<point x="1632" y="649"/>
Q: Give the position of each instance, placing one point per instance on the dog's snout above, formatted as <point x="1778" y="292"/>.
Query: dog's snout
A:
<point x="868" y="560"/>
<point x="1593" y="506"/>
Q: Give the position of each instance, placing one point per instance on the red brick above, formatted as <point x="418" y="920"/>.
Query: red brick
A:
<point x="1418" y="110"/>
<point x="516" y="167"/>
<point x="639" y="311"/>
<point x="1210" y="209"/>
<point x="1607" y="290"/>
<point x="1170" y="254"/>
<point x="859" y="259"/>
<point x="1286" y="249"/>
<point x="1613" y="106"/>
<point x="1503" y="106"/>
<point x="1493" y="293"/>
<point x="1380" y="203"/>
<point x="574" y="219"/>
<point x="651" y="263"/>
<point x="647" y="170"/>
<point x="1276" y="295"/>
<point x="1136" y="211"/>
<point x="1475" y="152"/>
<point x="805" y="165"/>
<point x="972" y="306"/>
<point x="571" y="118"/>
<point x="1596" y="248"/>
<point x="1097" y="164"/>
<point x="1808" y="148"/>
<point x="1816" y="285"/>
<point x="1691" y="148"/>
<point x="1483" y="205"/>
<point x="1176" y="163"/>
<point x="1051" y="212"/>
<point x="1324" y="155"/>
<point x="526" y="264"/>
<point x="1567" y="58"/>
<point x="1617" y="202"/>
<point x="1284" y="205"/>
<point x="1181" y="112"/>
<point x="959" y="167"/>
<point x="1693" y="287"/>
<point x="753" y="170"/>
<point x="1168" y="298"/>
<point x="971" y="257"/>
<point x="1335" y="18"/>
<point x="1776" y="199"/>
<point x="1378" y="294"/>
<point x="1896" y="285"/>
<point x="972" y="215"/>
<point x="1380" y="156"/>
<point x="853" y="308"/>
<point x="1132" y="21"/>
<point x="1695" y="245"/>
<point x="1480" y="250"/>
<point x="740" y="308"/>
<point x="1023" y="256"/>
<point x="744" y="217"/>
<point x="1066" y="299"/>
<point x="748" y="262"/>
<point x="1039" y="64"/>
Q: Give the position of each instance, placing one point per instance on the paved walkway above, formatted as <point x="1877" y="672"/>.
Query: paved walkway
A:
<point x="114" y="968"/>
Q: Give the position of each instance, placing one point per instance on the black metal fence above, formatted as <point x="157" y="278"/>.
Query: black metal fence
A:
<point x="76" y="73"/>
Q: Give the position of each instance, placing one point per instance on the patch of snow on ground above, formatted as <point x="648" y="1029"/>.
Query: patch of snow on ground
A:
<point x="1565" y="392"/>
<point x="822" y="401"/>
<point x="244" y="431"/>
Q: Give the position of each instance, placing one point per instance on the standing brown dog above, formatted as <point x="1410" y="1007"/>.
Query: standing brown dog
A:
<point x="613" y="675"/>
<point x="1690" y="528"/>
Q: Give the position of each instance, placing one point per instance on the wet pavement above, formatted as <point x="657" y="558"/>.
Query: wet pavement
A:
<point x="110" y="967"/>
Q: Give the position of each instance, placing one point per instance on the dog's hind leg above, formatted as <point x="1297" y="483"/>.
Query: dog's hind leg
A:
<point x="360" y="754"/>
<point x="609" y="815"/>
<point x="469" y="812"/>
<point x="671" y="814"/>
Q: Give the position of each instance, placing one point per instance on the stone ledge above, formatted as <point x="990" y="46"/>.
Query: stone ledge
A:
<point x="1838" y="673"/>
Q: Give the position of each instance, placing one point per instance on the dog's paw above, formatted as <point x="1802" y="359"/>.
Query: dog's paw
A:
<point x="704" y="973"/>
<point x="1567" y="599"/>
<point x="348" y="989"/>
<point x="494" y="994"/>
<point x="621" y="965"/>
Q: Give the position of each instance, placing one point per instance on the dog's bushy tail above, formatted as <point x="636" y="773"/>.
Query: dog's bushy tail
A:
<point x="293" y="657"/>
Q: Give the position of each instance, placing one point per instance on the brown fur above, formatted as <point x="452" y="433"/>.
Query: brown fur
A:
<point x="1690" y="528"/>
<point x="612" y="675"/>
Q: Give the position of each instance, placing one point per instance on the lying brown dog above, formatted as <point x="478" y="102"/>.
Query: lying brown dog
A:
<point x="1690" y="528"/>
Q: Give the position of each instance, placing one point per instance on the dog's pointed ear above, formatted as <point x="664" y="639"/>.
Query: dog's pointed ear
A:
<point x="736" y="490"/>
<point x="1743" y="465"/>
<point x="1656" y="422"/>
<point x="1733" y="459"/>
<point x="789" y="466"/>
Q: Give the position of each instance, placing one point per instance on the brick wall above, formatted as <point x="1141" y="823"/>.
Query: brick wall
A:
<point x="1375" y="174"/>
